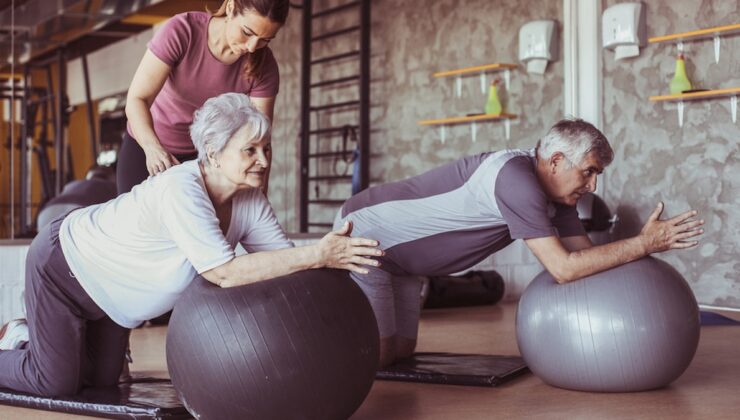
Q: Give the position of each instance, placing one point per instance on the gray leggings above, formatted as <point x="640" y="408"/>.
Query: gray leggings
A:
<point x="73" y="343"/>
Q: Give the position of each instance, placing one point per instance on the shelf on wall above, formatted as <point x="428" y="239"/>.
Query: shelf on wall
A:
<point x="473" y="119"/>
<point x="698" y="34"/>
<point x="476" y="69"/>
<point x="697" y="95"/>
<point x="481" y="70"/>
<point x="715" y="33"/>
<point x="708" y="94"/>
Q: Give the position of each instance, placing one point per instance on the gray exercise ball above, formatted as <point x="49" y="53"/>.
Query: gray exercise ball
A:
<point x="631" y="328"/>
<point x="301" y="346"/>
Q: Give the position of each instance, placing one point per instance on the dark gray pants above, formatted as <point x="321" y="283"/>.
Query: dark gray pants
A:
<point x="73" y="343"/>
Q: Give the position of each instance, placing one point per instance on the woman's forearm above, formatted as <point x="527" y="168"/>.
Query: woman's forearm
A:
<point x="251" y="268"/>
<point x="142" y="125"/>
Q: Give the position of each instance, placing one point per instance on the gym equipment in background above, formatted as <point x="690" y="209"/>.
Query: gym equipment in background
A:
<point x="594" y="213"/>
<point x="709" y="318"/>
<point x="632" y="328"/>
<point x="471" y="289"/>
<point x="455" y="369"/>
<point x="304" y="345"/>
<point x="76" y="194"/>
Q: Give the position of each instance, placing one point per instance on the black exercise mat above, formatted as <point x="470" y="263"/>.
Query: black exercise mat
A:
<point x="713" y="318"/>
<point x="455" y="369"/>
<point x="142" y="398"/>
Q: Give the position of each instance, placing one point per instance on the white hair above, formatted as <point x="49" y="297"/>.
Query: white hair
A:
<point x="220" y="117"/>
<point x="575" y="138"/>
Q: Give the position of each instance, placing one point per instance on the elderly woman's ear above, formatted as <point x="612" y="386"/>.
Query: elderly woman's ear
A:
<point x="212" y="161"/>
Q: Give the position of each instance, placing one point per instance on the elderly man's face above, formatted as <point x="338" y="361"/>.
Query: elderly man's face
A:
<point x="244" y="161"/>
<point x="570" y="181"/>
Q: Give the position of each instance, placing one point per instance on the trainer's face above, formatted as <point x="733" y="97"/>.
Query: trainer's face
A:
<point x="249" y="31"/>
<point x="571" y="181"/>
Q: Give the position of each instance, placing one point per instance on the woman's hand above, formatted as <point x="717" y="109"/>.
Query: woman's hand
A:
<point x="158" y="160"/>
<point x="338" y="250"/>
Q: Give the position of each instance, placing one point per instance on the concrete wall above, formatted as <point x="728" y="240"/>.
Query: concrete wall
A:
<point x="696" y="166"/>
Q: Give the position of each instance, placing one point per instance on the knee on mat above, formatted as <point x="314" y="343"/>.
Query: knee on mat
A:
<point x="395" y="348"/>
<point x="56" y="387"/>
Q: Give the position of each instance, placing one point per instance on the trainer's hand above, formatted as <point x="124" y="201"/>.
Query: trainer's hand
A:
<point x="158" y="160"/>
<point x="338" y="250"/>
<point x="674" y="233"/>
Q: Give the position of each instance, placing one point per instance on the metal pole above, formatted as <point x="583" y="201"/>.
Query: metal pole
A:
<point x="90" y="118"/>
<point x="12" y="119"/>
<point x="59" y="126"/>
<point x="25" y="170"/>
<point x="364" y="94"/>
<point x="305" y="112"/>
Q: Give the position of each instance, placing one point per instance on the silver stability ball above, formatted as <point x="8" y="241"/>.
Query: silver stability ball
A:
<point x="631" y="328"/>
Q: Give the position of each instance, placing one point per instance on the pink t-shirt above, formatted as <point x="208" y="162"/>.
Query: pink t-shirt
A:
<point x="182" y="43"/>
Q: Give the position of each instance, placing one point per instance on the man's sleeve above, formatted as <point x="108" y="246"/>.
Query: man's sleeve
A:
<point x="171" y="42"/>
<point x="521" y="201"/>
<point x="567" y="222"/>
<point x="194" y="227"/>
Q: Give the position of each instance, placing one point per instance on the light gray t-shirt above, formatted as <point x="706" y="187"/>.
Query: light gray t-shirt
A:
<point x="134" y="255"/>
<point x="452" y="217"/>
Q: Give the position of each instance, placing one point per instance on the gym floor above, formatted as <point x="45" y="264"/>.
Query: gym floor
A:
<point x="708" y="389"/>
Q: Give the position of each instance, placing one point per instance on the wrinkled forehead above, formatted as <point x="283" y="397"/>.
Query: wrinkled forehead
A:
<point x="593" y="162"/>
<point x="248" y="135"/>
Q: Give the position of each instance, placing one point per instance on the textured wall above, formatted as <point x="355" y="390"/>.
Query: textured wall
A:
<point x="410" y="41"/>
<point x="696" y="166"/>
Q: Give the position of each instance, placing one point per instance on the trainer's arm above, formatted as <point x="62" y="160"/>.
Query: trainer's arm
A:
<point x="335" y="250"/>
<point x="568" y="263"/>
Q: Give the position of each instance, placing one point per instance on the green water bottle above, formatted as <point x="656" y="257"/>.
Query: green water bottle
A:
<point x="680" y="82"/>
<point x="493" y="105"/>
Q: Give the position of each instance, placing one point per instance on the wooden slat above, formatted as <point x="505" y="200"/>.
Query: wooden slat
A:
<point x="697" y="95"/>
<point x="495" y="66"/>
<point x="700" y="33"/>
<point x="458" y="120"/>
<point x="141" y="19"/>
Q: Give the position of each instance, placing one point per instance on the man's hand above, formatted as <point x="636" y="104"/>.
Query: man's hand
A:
<point x="674" y="233"/>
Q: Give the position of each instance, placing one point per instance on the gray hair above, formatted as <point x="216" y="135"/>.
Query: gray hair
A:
<point x="575" y="138"/>
<point x="220" y="117"/>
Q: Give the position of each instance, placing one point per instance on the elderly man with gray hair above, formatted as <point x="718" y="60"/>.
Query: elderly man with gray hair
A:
<point x="454" y="216"/>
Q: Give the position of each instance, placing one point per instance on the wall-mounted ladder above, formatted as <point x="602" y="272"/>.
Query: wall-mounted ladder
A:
<point x="360" y="131"/>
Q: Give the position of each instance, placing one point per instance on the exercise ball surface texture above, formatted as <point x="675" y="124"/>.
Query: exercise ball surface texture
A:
<point x="632" y="328"/>
<point x="302" y="346"/>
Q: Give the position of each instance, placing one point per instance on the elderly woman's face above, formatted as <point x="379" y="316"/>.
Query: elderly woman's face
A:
<point x="244" y="161"/>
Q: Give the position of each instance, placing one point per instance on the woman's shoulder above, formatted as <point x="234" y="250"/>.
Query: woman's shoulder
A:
<point x="189" y="21"/>
<point x="183" y="177"/>
<point x="192" y="17"/>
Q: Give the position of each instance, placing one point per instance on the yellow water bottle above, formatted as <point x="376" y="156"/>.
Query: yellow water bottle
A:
<point x="493" y="105"/>
<point x="680" y="82"/>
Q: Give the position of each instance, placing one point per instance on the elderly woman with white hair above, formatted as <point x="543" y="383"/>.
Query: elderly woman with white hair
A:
<point x="101" y="270"/>
<point x="450" y="218"/>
